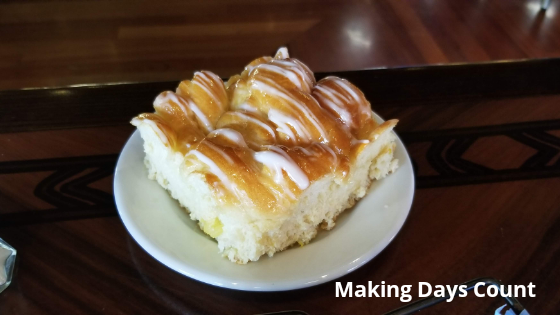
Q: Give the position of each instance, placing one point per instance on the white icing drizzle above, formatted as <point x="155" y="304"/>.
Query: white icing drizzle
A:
<point x="282" y="53"/>
<point x="283" y="123"/>
<point x="210" y="76"/>
<point x="304" y="150"/>
<point x="290" y="70"/>
<point x="328" y="149"/>
<point x="170" y="96"/>
<point x="346" y="86"/>
<point x="294" y="119"/>
<point x="283" y="72"/>
<point x="329" y="98"/>
<point x="230" y="134"/>
<point x="221" y="152"/>
<point x="308" y="73"/>
<point x="356" y="141"/>
<point x="272" y="88"/>
<point x="156" y="129"/>
<point x="214" y="169"/>
<point x="256" y="121"/>
<point x="277" y="160"/>
<point x="207" y="86"/>
<point x="198" y="113"/>
<point x="336" y="94"/>
<point x="248" y="108"/>
<point x="294" y="66"/>
<point x="250" y="68"/>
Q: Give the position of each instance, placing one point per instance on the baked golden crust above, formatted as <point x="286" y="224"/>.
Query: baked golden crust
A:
<point x="267" y="133"/>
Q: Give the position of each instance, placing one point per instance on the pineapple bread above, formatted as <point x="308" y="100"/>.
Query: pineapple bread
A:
<point x="268" y="157"/>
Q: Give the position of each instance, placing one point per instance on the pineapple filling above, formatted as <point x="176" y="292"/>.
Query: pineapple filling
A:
<point x="212" y="228"/>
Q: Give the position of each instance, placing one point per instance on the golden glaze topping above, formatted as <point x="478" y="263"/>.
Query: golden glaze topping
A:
<point x="267" y="133"/>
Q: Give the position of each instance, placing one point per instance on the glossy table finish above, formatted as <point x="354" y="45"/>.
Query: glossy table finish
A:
<point x="484" y="138"/>
<point x="57" y="43"/>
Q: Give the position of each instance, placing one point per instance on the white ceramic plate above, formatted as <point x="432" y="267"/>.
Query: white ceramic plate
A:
<point x="164" y="230"/>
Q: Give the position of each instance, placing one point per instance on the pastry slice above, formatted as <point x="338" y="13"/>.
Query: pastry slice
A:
<point x="267" y="158"/>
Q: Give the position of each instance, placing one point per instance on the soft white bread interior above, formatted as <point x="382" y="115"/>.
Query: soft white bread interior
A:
<point x="269" y="157"/>
<point x="245" y="234"/>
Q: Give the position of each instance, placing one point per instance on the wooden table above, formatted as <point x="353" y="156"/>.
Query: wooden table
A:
<point x="55" y="43"/>
<point x="485" y="140"/>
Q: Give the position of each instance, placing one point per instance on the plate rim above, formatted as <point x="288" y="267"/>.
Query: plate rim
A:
<point x="184" y="269"/>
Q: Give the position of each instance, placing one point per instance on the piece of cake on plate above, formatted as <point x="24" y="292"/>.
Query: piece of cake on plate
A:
<point x="265" y="159"/>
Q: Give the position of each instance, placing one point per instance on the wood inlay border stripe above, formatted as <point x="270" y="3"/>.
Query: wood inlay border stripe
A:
<point x="116" y="104"/>
<point x="75" y="200"/>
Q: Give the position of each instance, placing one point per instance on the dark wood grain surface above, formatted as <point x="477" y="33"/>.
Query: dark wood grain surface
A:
<point x="484" y="138"/>
<point x="63" y="42"/>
